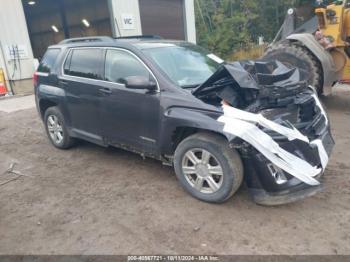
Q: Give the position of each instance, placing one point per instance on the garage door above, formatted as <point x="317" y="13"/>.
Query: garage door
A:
<point x="50" y="21"/>
<point x="163" y="17"/>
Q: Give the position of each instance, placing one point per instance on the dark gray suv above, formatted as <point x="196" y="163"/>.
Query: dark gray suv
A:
<point x="217" y="123"/>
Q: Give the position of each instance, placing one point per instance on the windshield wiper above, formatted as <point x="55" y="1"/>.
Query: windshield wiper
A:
<point x="190" y="86"/>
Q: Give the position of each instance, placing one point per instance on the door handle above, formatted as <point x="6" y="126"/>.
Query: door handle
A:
<point x="63" y="83"/>
<point x="105" y="91"/>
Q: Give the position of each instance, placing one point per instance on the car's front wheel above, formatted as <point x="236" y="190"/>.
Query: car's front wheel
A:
<point x="56" y="128"/>
<point x="208" y="168"/>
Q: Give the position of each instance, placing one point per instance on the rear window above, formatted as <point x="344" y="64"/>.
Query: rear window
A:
<point x="86" y="63"/>
<point x="49" y="60"/>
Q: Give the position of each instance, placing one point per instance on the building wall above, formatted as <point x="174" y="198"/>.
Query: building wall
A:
<point x="124" y="10"/>
<point x="13" y="31"/>
<point x="121" y="8"/>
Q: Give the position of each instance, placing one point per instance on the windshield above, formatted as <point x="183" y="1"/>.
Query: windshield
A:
<point x="186" y="64"/>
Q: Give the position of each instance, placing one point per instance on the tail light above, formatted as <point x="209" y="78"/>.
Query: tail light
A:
<point x="35" y="79"/>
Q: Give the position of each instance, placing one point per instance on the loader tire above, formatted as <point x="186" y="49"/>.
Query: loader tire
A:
<point x="296" y="55"/>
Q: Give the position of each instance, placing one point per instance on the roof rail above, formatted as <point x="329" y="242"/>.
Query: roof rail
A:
<point x="139" y="37"/>
<point x="86" y="39"/>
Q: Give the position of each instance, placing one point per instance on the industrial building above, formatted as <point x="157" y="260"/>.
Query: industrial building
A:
<point x="28" y="27"/>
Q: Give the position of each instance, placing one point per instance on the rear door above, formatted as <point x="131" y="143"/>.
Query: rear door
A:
<point x="44" y="74"/>
<point x="83" y="72"/>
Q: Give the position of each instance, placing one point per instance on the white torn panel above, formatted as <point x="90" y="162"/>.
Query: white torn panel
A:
<point x="244" y="125"/>
<point x="262" y="142"/>
<point x="291" y="134"/>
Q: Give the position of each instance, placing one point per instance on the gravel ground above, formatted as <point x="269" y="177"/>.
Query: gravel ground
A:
<point x="94" y="200"/>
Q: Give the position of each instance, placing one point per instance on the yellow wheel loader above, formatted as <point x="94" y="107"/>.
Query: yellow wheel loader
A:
<point x="320" y="46"/>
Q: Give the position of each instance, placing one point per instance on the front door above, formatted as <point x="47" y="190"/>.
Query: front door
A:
<point x="129" y="117"/>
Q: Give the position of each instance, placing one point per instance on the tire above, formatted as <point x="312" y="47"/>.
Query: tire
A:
<point x="62" y="141"/>
<point x="221" y="156"/>
<point x="296" y="55"/>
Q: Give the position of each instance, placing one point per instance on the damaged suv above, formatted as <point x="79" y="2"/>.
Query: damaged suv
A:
<point x="217" y="123"/>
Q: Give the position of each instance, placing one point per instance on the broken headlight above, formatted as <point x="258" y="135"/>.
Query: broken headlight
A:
<point x="277" y="173"/>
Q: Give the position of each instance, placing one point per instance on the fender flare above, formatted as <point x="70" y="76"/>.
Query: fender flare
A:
<point x="54" y="95"/>
<point x="179" y="117"/>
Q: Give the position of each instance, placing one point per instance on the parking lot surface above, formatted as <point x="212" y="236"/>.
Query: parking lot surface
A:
<point x="95" y="200"/>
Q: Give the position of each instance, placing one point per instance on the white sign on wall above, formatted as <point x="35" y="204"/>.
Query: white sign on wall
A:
<point x="16" y="52"/>
<point x="128" y="22"/>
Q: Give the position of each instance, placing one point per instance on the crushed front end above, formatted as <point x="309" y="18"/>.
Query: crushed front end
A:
<point x="277" y="123"/>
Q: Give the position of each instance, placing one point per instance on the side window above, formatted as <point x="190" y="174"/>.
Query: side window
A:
<point x="85" y="63"/>
<point x="120" y="64"/>
<point x="49" y="60"/>
<point x="67" y="63"/>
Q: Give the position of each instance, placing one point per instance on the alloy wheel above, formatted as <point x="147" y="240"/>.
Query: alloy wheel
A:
<point x="202" y="170"/>
<point x="55" y="129"/>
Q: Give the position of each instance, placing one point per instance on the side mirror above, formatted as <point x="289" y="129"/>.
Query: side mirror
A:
<point x="140" y="82"/>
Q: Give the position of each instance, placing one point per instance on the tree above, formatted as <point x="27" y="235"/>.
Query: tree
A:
<point x="224" y="25"/>
<point x="227" y="25"/>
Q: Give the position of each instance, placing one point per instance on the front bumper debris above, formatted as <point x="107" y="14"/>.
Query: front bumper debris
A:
<point x="264" y="188"/>
<point x="261" y="197"/>
<point x="281" y="125"/>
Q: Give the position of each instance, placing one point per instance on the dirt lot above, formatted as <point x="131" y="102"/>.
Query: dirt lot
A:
<point x="92" y="200"/>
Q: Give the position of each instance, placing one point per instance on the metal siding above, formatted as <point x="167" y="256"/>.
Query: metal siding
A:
<point x="14" y="31"/>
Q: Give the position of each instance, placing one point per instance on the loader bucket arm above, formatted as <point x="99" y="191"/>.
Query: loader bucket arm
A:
<point x="289" y="26"/>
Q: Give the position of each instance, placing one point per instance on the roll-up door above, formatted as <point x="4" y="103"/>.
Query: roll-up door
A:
<point x="163" y="17"/>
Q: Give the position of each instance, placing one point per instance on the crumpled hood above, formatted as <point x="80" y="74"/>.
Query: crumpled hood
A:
<point x="253" y="74"/>
<point x="253" y="80"/>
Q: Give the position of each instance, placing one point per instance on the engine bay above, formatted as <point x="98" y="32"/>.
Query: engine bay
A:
<point x="253" y="85"/>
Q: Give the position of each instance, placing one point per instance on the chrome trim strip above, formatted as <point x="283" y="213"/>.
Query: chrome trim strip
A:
<point x="42" y="74"/>
<point x="87" y="134"/>
<point x="104" y="81"/>
<point x="148" y="139"/>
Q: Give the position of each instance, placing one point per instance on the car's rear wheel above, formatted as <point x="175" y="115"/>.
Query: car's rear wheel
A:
<point x="208" y="168"/>
<point x="56" y="128"/>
